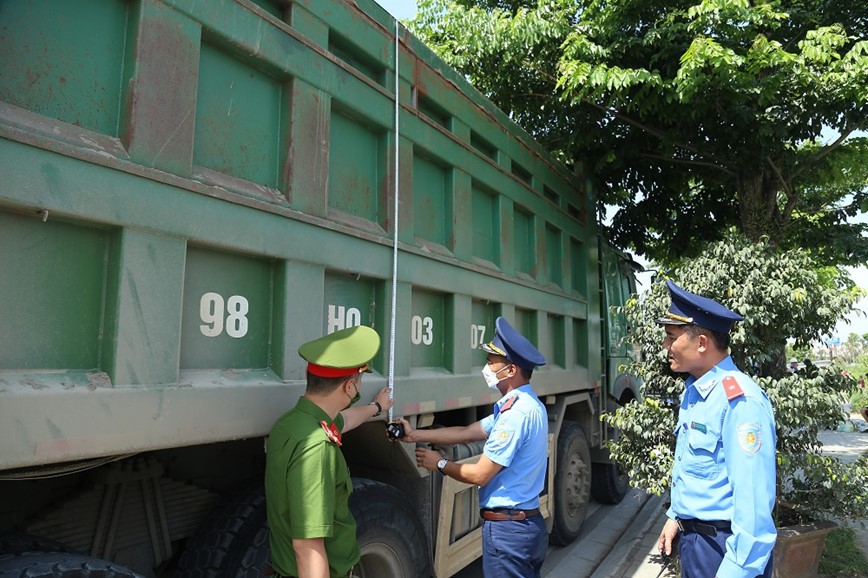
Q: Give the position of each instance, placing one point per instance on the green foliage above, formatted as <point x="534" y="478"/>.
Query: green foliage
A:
<point x="859" y="399"/>
<point x="781" y="297"/>
<point x="645" y="447"/>
<point x="842" y="556"/>
<point x="697" y="115"/>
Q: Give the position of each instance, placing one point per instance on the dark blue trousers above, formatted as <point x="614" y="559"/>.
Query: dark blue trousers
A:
<point x="701" y="555"/>
<point x="514" y="549"/>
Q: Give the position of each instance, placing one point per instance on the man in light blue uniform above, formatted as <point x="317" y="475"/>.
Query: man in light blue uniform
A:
<point x="511" y="471"/>
<point x="723" y="480"/>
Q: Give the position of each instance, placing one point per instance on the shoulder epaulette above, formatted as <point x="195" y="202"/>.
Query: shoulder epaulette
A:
<point x="508" y="403"/>
<point x="732" y="388"/>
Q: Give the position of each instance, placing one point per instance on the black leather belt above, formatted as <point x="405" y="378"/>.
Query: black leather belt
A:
<point x="704" y="527"/>
<point x="504" y="514"/>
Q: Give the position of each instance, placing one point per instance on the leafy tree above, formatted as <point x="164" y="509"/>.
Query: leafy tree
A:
<point x="779" y="296"/>
<point x="697" y="115"/>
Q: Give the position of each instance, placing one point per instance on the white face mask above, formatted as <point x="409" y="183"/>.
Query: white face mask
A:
<point x="490" y="376"/>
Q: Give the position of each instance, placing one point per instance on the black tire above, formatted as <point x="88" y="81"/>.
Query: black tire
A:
<point x="609" y="484"/>
<point x="390" y="534"/>
<point x="60" y="565"/>
<point x="20" y="543"/>
<point x="572" y="484"/>
<point x="232" y="541"/>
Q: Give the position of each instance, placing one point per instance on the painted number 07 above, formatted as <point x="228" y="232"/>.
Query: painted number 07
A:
<point x="212" y="315"/>
<point x="477" y="336"/>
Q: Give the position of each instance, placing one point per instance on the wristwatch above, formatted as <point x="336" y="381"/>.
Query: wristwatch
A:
<point x="442" y="464"/>
<point x="379" y="408"/>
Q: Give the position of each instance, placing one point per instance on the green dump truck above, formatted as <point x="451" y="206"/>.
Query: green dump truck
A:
<point x="191" y="189"/>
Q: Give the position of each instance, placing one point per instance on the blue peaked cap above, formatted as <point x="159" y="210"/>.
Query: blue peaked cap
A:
<point x="512" y="345"/>
<point x="688" y="308"/>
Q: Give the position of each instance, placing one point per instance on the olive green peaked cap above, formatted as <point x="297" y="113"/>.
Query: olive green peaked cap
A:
<point x="341" y="353"/>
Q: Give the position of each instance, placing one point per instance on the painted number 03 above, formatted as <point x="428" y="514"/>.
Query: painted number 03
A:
<point x="214" y="317"/>
<point x="421" y="330"/>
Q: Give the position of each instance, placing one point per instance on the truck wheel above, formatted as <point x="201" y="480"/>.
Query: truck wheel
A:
<point x="61" y="564"/>
<point x="572" y="484"/>
<point x="232" y="541"/>
<point x="610" y="483"/>
<point x="391" y="537"/>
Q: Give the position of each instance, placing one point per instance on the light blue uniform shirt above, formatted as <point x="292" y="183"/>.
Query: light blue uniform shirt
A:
<point x="517" y="440"/>
<point x="725" y="465"/>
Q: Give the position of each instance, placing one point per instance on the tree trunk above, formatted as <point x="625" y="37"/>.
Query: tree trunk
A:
<point x="761" y="219"/>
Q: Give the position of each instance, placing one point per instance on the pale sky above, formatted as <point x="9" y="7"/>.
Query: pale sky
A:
<point x="400" y="9"/>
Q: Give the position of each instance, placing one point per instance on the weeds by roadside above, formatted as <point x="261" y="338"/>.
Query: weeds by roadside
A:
<point x="842" y="557"/>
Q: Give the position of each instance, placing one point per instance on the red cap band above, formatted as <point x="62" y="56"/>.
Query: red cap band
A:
<point x="322" y="371"/>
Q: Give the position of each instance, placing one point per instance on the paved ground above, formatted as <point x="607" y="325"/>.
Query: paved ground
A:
<point x="621" y="541"/>
<point x="634" y="553"/>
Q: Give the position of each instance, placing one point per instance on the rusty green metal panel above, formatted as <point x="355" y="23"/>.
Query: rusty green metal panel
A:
<point x="64" y="60"/>
<point x="356" y="168"/>
<point x="555" y="352"/>
<point x="255" y="160"/>
<point x="142" y="308"/>
<point x="581" y="341"/>
<point x="161" y="70"/>
<point x="526" y="323"/>
<point x="482" y="316"/>
<point x="486" y="242"/>
<point x="227" y="319"/>
<point x="51" y="293"/>
<point x="524" y="242"/>
<point x="431" y="203"/>
<point x="351" y="300"/>
<point x="240" y="114"/>
<point x="428" y="328"/>
<point x="578" y="267"/>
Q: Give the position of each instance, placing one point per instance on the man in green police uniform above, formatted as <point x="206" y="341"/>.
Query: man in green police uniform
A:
<point x="307" y="482"/>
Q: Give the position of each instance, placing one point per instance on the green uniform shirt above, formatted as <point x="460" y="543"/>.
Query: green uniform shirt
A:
<point x="307" y="491"/>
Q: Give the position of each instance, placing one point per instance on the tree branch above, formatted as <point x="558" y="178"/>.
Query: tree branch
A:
<point x="662" y="136"/>
<point x="630" y="120"/>
<point x="690" y="162"/>
<point x="822" y="153"/>
<point x="791" y="196"/>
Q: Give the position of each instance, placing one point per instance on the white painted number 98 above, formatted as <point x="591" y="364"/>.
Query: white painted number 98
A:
<point x="211" y="314"/>
<point x="421" y="330"/>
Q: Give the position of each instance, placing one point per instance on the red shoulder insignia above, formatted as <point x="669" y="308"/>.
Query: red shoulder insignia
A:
<point x="732" y="388"/>
<point x="332" y="432"/>
<point x="508" y="403"/>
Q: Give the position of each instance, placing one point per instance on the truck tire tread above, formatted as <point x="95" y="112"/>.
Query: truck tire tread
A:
<point x="386" y="521"/>
<point x="572" y="484"/>
<point x="60" y="565"/>
<point x="221" y="543"/>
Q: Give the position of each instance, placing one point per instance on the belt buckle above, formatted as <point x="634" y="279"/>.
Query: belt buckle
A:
<point x="680" y="524"/>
